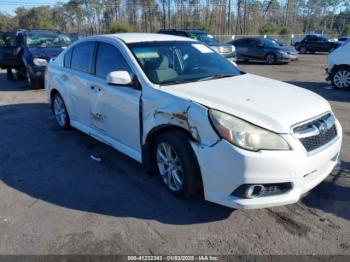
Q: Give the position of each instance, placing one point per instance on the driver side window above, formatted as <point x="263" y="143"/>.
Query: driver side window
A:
<point x="110" y="59"/>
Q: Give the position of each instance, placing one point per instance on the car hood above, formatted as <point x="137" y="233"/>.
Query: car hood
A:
<point x="46" y="53"/>
<point x="268" y="103"/>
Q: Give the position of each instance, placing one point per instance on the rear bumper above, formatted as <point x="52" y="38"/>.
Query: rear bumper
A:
<point x="225" y="167"/>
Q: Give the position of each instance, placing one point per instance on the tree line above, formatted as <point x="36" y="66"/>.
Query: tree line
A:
<point x="220" y="17"/>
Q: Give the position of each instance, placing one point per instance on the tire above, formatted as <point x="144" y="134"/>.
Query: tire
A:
<point x="32" y="83"/>
<point x="303" y="50"/>
<point x="270" y="59"/>
<point x="173" y="152"/>
<point x="60" y="112"/>
<point x="341" y="78"/>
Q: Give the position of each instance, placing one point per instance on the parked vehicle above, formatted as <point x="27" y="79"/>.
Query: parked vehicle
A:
<point x="343" y="39"/>
<point x="193" y="117"/>
<point x="30" y="52"/>
<point x="338" y="67"/>
<point x="226" y="50"/>
<point x="263" y="49"/>
<point x="314" y="43"/>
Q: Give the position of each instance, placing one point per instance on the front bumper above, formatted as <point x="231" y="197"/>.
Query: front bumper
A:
<point x="225" y="167"/>
<point x="230" y="56"/>
<point x="288" y="57"/>
<point x="37" y="72"/>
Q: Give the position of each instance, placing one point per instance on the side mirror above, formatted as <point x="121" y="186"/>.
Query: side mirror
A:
<point x="119" y="78"/>
<point x="17" y="51"/>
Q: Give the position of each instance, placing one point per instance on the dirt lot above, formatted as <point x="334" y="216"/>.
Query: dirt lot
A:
<point x="55" y="200"/>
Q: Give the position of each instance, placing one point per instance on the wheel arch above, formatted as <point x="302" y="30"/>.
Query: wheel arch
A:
<point x="336" y="67"/>
<point x="148" y="146"/>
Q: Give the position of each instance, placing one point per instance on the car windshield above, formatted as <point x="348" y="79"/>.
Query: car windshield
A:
<point x="175" y="62"/>
<point x="47" y="40"/>
<point x="204" y="37"/>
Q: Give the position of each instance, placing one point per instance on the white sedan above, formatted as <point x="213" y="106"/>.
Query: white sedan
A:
<point x="194" y="118"/>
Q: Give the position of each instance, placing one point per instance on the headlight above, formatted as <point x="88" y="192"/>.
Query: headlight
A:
<point x="283" y="53"/>
<point x="244" y="134"/>
<point x="233" y="48"/>
<point x="40" y="62"/>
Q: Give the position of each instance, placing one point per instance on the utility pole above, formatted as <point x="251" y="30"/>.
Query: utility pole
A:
<point x="229" y="16"/>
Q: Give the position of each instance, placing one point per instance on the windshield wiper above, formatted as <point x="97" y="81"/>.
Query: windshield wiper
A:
<point x="214" y="77"/>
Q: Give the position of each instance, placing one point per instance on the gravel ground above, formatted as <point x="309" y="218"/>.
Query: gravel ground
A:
<point x="55" y="200"/>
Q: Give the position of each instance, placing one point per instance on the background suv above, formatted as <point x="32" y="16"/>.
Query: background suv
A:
<point x="315" y="43"/>
<point x="263" y="49"/>
<point x="226" y="50"/>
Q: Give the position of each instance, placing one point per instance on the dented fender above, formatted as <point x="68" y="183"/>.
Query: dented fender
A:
<point x="186" y="114"/>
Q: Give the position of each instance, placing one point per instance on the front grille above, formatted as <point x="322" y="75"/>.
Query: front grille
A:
<point x="313" y="142"/>
<point x="226" y="50"/>
<point x="316" y="133"/>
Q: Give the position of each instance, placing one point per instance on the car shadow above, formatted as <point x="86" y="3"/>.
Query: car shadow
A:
<point x="332" y="195"/>
<point x="12" y="85"/>
<point x="325" y="90"/>
<point x="48" y="164"/>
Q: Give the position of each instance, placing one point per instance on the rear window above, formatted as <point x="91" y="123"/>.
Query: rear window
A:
<point x="82" y="57"/>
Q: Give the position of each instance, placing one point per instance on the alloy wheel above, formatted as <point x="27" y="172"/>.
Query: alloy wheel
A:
<point x="60" y="111"/>
<point x="169" y="166"/>
<point x="270" y="59"/>
<point x="342" y="79"/>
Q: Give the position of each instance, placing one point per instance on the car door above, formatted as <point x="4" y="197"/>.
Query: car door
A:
<point x="8" y="45"/>
<point x="256" y="48"/>
<point x="78" y="78"/>
<point x="115" y="108"/>
<point x="242" y="48"/>
<point x="312" y="43"/>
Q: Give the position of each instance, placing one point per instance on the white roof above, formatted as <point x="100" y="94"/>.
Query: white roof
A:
<point x="147" y="37"/>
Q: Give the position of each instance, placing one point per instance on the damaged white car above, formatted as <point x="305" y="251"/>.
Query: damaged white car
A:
<point x="194" y="118"/>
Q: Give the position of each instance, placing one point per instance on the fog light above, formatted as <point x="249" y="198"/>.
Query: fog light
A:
<point x="261" y="190"/>
<point x="254" y="191"/>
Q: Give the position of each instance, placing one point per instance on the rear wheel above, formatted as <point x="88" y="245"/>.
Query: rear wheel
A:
<point x="176" y="164"/>
<point x="60" y="111"/>
<point x="341" y="78"/>
<point x="270" y="59"/>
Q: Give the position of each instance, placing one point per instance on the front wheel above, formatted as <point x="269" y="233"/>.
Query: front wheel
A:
<point x="341" y="78"/>
<point x="176" y="164"/>
<point x="302" y="50"/>
<point x="32" y="83"/>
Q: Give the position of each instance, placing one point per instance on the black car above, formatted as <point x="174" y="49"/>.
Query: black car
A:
<point x="315" y="43"/>
<point x="226" y="50"/>
<point x="263" y="49"/>
<point x="29" y="51"/>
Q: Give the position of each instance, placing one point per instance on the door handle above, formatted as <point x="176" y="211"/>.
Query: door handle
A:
<point x="96" y="89"/>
